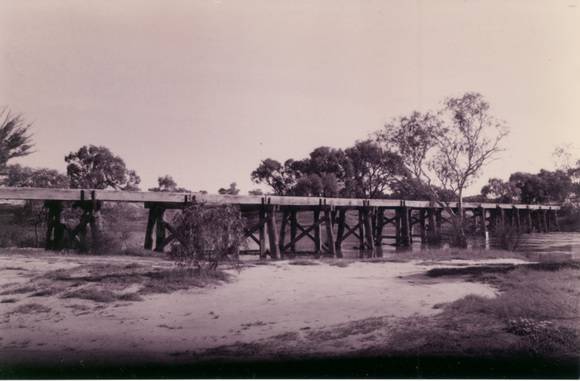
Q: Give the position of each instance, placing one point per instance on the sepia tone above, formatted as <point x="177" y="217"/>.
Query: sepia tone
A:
<point x="296" y="189"/>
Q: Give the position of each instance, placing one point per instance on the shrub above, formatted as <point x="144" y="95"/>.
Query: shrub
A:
<point x="205" y="235"/>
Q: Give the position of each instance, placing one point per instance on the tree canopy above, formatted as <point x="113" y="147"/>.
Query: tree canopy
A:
<point x="167" y="184"/>
<point x="19" y="176"/>
<point x="15" y="138"/>
<point x="96" y="167"/>
<point x="232" y="190"/>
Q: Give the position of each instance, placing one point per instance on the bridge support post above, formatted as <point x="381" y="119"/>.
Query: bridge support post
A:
<point x="283" y="225"/>
<point x="517" y="219"/>
<point x="273" y="233"/>
<point x="370" y="242"/>
<point x="329" y="222"/>
<point x="380" y="223"/>
<point x="483" y="222"/>
<point x="431" y="217"/>
<point x="55" y="229"/>
<point x="529" y="220"/>
<point x="405" y="225"/>
<point x="501" y="215"/>
<point x="317" y="231"/>
<point x="160" y="232"/>
<point x="544" y="220"/>
<point x="340" y="233"/>
<point x="293" y="230"/>
<point x="422" y="230"/>
<point x="262" y="233"/>
<point x="555" y="220"/>
<point x="151" y="219"/>
<point x="438" y="221"/>
<point x="91" y="217"/>
<point x="361" y="233"/>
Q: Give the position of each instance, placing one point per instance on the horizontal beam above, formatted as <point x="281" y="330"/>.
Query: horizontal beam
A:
<point x="46" y="194"/>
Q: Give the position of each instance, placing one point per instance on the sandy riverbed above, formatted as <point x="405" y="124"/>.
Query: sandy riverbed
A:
<point x="278" y="302"/>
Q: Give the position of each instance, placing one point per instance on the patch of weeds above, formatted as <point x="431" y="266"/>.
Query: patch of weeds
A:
<point x="303" y="262"/>
<point x="169" y="327"/>
<point x="110" y="276"/>
<point x="94" y="294"/>
<point x="258" y="323"/>
<point x="358" y="327"/>
<point x="30" y="308"/>
<point x="543" y="335"/>
<point x="130" y="297"/>
<point x="19" y="290"/>
<point x="47" y="291"/>
<point x="166" y="281"/>
<point x="288" y="336"/>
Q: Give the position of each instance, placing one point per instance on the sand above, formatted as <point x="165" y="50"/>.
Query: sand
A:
<point x="275" y="301"/>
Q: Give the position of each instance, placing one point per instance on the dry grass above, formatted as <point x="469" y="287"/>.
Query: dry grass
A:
<point x="303" y="262"/>
<point x="105" y="283"/>
<point x="536" y="314"/>
<point x="30" y="308"/>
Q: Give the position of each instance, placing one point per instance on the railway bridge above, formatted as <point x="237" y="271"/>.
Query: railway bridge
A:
<point x="278" y="223"/>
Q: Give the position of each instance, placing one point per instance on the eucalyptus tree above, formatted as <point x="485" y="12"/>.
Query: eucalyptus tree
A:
<point x="447" y="149"/>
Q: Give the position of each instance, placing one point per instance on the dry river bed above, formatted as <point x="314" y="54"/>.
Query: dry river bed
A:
<point x="285" y="306"/>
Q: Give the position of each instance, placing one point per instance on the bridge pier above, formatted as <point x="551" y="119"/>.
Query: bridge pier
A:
<point x="55" y="229"/>
<point x="272" y="232"/>
<point x="340" y="231"/>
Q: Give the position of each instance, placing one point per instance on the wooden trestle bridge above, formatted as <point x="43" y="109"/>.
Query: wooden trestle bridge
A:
<point x="273" y="220"/>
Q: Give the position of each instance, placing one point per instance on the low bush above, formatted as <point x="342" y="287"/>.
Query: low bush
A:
<point x="206" y="235"/>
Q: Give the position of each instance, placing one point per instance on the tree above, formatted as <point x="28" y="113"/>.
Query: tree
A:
<point x="273" y="174"/>
<point x="19" y="176"/>
<point x="372" y="169"/>
<point x="33" y="211"/>
<point x="93" y="167"/>
<point x="15" y="138"/>
<point x="231" y="190"/>
<point x="544" y="187"/>
<point x="448" y="150"/>
<point x="255" y="192"/>
<point x="167" y="184"/>
<point x="500" y="191"/>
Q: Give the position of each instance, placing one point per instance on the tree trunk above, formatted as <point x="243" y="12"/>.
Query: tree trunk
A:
<point x="459" y="237"/>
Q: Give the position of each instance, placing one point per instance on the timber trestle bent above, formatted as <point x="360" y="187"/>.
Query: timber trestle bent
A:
<point x="276" y="224"/>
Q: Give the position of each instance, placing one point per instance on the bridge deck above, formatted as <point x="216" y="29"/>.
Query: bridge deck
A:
<point x="177" y="197"/>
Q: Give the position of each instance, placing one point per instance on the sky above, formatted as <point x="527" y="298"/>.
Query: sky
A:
<point x="204" y="90"/>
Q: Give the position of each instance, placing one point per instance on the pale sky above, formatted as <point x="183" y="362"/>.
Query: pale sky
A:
<point x="203" y="90"/>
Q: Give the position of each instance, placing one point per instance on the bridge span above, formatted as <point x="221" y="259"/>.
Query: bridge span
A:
<point x="274" y="223"/>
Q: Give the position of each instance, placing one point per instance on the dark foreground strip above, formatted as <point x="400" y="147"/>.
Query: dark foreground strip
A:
<point x="364" y="367"/>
